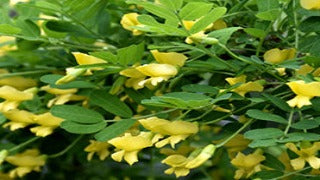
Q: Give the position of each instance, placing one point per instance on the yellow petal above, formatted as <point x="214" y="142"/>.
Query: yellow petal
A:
<point x="297" y="163"/>
<point x="16" y="115"/>
<point x="27" y="158"/>
<point x="135" y="83"/>
<point x="18" y="82"/>
<point x="219" y="24"/>
<point x="188" y="24"/>
<point x="131" y="143"/>
<point x="153" y="81"/>
<point x="58" y="91"/>
<point x="175" y="160"/>
<point x="274" y="56"/>
<point x="47" y="119"/>
<point x="118" y="156"/>
<point x="181" y="172"/>
<point x="173" y="58"/>
<point x="131" y="157"/>
<point x="42" y="131"/>
<point x="12" y="94"/>
<point x="83" y="59"/>
<point x="201" y="158"/>
<point x="19" y="172"/>
<point x="248" y="87"/>
<point x="132" y="72"/>
<point x="155" y="70"/>
<point x="239" y="79"/>
<point x="305" y="89"/>
<point x="310" y="4"/>
<point x="129" y="20"/>
<point x="314" y="162"/>
<point x="290" y="53"/>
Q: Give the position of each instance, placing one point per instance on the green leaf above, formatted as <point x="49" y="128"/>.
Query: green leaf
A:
<point x="311" y="24"/>
<point x="48" y="6"/>
<point x="184" y="100"/>
<point x="200" y="88"/>
<point x="259" y="33"/>
<point x="3" y="119"/>
<point x="305" y="124"/>
<point x="110" y="103"/>
<point x="315" y="50"/>
<point x="265" y="5"/>
<point x="266" y="133"/>
<point x="148" y="20"/>
<point x="173" y="5"/>
<point x="299" y="136"/>
<point x="52" y="78"/>
<point x="280" y="103"/>
<point x="28" y="28"/>
<point x="130" y="55"/>
<point x="106" y="55"/>
<point x="114" y="130"/>
<point x="268" y="174"/>
<point x="258" y="114"/>
<point x="76" y="114"/>
<point x="8" y="29"/>
<point x="256" y="143"/>
<point x="270" y="15"/>
<point x="273" y="162"/>
<point x="194" y="10"/>
<point x="77" y="128"/>
<point x="157" y="9"/>
<point x="223" y="35"/>
<point x="211" y="17"/>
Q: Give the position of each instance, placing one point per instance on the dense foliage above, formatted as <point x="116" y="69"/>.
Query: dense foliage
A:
<point x="196" y="89"/>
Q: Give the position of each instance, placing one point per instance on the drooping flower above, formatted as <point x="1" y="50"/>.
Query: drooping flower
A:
<point x="176" y="130"/>
<point x="47" y="123"/>
<point x="101" y="148"/>
<point x="62" y="95"/>
<point x="82" y="59"/>
<point x="245" y="87"/>
<point x="14" y="97"/>
<point x="304" y="92"/>
<point x="181" y="165"/>
<point x="156" y="72"/>
<point x="128" y="146"/>
<point x="310" y="4"/>
<point x="305" y="155"/>
<point x="129" y="20"/>
<point x="29" y="160"/>
<point x="276" y="56"/>
<point x="247" y="165"/>
<point x="18" y="119"/>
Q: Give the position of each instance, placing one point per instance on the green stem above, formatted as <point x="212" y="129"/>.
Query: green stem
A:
<point x="151" y="115"/>
<point x="296" y="42"/>
<point x="233" y="54"/>
<point x="183" y="115"/>
<point x="24" y="73"/>
<point x="199" y="117"/>
<point x="67" y="148"/>
<point x="289" y="123"/>
<point x="24" y="144"/>
<point x="234" y="134"/>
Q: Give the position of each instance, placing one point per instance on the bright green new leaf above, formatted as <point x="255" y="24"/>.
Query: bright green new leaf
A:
<point x="194" y="10"/>
<point x="8" y="29"/>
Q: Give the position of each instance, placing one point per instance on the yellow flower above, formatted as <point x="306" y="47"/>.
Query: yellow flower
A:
<point x="18" y="119"/>
<point x="247" y="164"/>
<point x="177" y="130"/>
<point x="101" y="148"/>
<point x="62" y="95"/>
<point x="28" y="161"/>
<point x="18" y="82"/>
<point x="244" y="87"/>
<point x="47" y="123"/>
<point x="5" y="176"/>
<point x="3" y="154"/>
<point x="306" y="68"/>
<point x="219" y="24"/>
<point x="6" y="44"/>
<point x="304" y="92"/>
<point x="276" y="56"/>
<point x="128" y="146"/>
<point x="236" y="144"/>
<point x="181" y="165"/>
<point x="305" y="155"/>
<point x="129" y="20"/>
<point x="167" y="68"/>
<point x="82" y="59"/>
<point x="310" y="4"/>
<point x="14" y="97"/>
<point x="14" y="2"/>
<point x="173" y="58"/>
